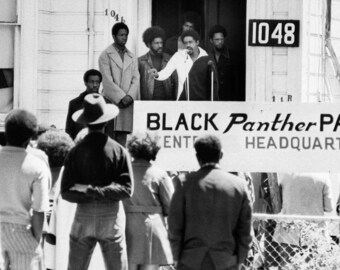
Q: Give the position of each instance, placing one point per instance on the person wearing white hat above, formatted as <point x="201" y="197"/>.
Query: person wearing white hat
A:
<point x="97" y="176"/>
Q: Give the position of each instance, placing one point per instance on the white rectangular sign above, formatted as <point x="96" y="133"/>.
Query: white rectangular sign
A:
<point x="256" y="137"/>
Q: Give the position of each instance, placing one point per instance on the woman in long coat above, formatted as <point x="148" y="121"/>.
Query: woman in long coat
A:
<point x="146" y="234"/>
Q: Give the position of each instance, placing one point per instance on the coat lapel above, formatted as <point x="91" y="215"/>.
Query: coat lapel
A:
<point x="150" y="77"/>
<point x="115" y="57"/>
<point x="128" y="59"/>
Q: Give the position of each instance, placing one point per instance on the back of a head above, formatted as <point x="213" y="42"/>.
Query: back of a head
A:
<point x="56" y="144"/>
<point x="144" y="146"/>
<point x="20" y="127"/>
<point x="208" y="148"/>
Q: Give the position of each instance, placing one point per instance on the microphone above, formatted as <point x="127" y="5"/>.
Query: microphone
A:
<point x="211" y="69"/>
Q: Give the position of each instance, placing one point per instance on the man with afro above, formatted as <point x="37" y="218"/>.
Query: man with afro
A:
<point x="189" y="20"/>
<point x="229" y="66"/>
<point x="151" y="89"/>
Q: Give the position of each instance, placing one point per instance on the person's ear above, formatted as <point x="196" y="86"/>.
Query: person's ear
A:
<point x="198" y="42"/>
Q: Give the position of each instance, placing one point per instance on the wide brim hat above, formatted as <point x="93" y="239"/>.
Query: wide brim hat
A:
<point x="95" y="111"/>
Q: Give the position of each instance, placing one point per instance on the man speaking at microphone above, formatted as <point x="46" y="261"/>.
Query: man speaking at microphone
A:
<point x="194" y="68"/>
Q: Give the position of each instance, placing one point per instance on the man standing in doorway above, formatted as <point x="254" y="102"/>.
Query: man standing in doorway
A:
<point x="189" y="21"/>
<point x="119" y="68"/>
<point x="97" y="176"/>
<point x="150" y="89"/>
<point x="210" y="214"/>
<point x="197" y="87"/>
<point x="227" y="65"/>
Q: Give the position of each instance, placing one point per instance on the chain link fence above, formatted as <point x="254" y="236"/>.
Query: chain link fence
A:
<point x="294" y="242"/>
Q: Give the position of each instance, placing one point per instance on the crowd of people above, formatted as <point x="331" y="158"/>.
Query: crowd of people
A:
<point x="137" y="214"/>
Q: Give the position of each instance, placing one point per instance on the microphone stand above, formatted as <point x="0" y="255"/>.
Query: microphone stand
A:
<point x="188" y="91"/>
<point x="187" y="80"/>
<point x="212" y="84"/>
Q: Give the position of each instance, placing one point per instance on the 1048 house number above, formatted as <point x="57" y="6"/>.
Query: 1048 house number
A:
<point x="274" y="33"/>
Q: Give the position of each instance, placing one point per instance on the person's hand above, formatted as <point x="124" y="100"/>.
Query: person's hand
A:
<point x="79" y="188"/>
<point x="125" y="101"/>
<point x="153" y="73"/>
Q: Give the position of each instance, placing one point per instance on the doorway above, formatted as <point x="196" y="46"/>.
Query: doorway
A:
<point x="229" y="13"/>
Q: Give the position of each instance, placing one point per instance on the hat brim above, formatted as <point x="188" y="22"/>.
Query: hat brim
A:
<point x="110" y="112"/>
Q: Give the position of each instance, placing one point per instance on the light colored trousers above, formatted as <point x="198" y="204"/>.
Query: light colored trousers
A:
<point x="19" y="249"/>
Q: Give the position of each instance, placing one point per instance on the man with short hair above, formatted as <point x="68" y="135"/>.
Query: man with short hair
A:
<point x="150" y="89"/>
<point x="210" y="214"/>
<point x="189" y="21"/>
<point x="119" y="68"/>
<point x="228" y="66"/>
<point x="97" y="176"/>
<point x="194" y="80"/>
<point x="24" y="182"/>
<point x="92" y="80"/>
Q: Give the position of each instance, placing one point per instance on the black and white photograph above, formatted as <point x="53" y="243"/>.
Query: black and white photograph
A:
<point x="169" y="135"/>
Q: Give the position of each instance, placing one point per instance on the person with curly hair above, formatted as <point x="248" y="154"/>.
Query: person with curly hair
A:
<point x="147" y="241"/>
<point x="190" y="20"/>
<point x="151" y="89"/>
<point x="56" y="144"/>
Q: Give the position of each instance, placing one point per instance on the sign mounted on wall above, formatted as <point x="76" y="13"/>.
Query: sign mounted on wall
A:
<point x="274" y="33"/>
<point x="256" y="137"/>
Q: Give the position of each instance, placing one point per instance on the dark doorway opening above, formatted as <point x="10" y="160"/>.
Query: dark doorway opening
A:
<point x="2" y="138"/>
<point x="229" y="13"/>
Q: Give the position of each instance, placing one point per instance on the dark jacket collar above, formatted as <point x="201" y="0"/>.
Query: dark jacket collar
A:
<point x="224" y="52"/>
<point x="147" y="57"/>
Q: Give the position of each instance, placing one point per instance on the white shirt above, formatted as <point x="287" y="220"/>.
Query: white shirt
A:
<point x="182" y="63"/>
<point x="23" y="186"/>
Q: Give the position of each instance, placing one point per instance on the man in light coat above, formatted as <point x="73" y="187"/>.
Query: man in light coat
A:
<point x="119" y="68"/>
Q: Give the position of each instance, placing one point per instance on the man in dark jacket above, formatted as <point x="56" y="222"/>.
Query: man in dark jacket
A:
<point x="210" y="214"/>
<point x="92" y="81"/>
<point x="229" y="67"/>
<point x="151" y="89"/>
<point x="97" y="176"/>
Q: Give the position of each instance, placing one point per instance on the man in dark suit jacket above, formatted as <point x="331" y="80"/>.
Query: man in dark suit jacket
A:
<point x="92" y="81"/>
<point x="210" y="214"/>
